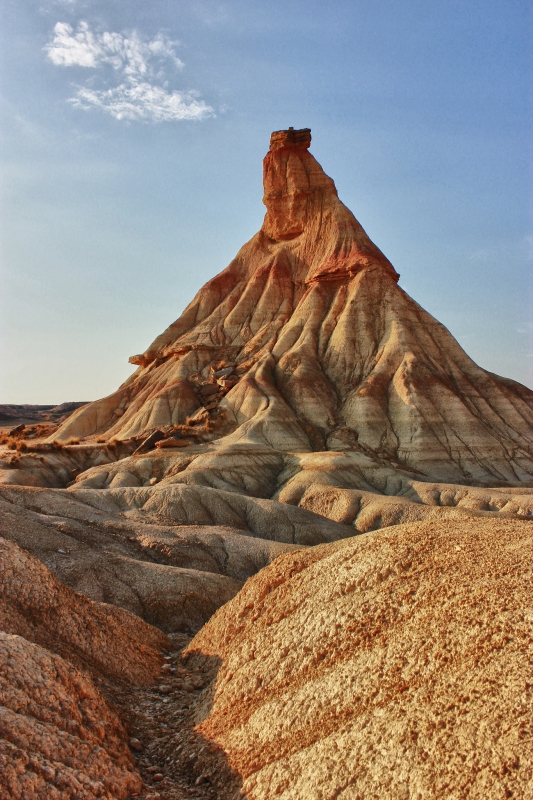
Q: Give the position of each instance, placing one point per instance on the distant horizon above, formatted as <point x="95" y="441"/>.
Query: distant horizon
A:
<point x="42" y="405"/>
<point x="132" y="145"/>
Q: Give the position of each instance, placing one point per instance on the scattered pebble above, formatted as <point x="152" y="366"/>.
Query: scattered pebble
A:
<point x="135" y="744"/>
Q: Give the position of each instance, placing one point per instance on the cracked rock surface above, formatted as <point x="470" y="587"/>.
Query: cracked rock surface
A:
<point x="394" y="665"/>
<point x="58" y="736"/>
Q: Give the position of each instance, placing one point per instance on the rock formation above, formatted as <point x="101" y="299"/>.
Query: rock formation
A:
<point x="138" y="549"/>
<point x="306" y="342"/>
<point x="393" y="665"/>
<point x="302" y="375"/>
<point x="300" y="399"/>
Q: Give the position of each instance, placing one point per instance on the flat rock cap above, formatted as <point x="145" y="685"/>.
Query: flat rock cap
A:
<point x="290" y="138"/>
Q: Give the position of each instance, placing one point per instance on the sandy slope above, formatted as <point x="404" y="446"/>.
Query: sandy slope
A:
<point x="394" y="665"/>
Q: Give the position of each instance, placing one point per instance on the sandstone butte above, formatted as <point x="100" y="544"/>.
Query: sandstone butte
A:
<point x="302" y="398"/>
<point x="329" y="352"/>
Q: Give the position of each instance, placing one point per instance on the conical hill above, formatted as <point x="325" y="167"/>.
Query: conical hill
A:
<point x="305" y="342"/>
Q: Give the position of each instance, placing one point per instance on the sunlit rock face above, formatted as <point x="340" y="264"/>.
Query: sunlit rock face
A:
<point x="301" y="199"/>
<point x="288" y="185"/>
<point x="392" y="665"/>
<point x="325" y="352"/>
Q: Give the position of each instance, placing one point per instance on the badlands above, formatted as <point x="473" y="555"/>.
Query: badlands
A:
<point x="289" y="557"/>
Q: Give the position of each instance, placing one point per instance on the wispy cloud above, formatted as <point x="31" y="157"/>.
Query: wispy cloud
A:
<point x="142" y="100"/>
<point x="139" y="89"/>
<point x="127" y="53"/>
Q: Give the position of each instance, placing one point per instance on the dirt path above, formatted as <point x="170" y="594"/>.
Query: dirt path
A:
<point x="174" y="762"/>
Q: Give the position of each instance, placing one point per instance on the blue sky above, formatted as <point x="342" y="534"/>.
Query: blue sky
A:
<point x="133" y="135"/>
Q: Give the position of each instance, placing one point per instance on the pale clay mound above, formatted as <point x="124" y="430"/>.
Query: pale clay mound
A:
<point x="59" y="738"/>
<point x="394" y="665"/>
<point x="348" y="486"/>
<point x="172" y="554"/>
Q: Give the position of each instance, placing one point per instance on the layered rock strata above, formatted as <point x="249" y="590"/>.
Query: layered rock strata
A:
<point x="306" y="342"/>
<point x="171" y="555"/>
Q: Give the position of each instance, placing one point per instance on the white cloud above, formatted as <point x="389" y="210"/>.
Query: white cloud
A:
<point x="80" y="50"/>
<point x="138" y="100"/>
<point x="139" y="70"/>
<point x="128" y="53"/>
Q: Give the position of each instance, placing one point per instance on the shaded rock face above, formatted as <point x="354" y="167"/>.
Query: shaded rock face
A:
<point x="59" y="736"/>
<point x="394" y="665"/>
<point x="171" y="555"/>
<point x="325" y="352"/>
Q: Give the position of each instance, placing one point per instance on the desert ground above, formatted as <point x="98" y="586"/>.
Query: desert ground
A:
<point x="291" y="556"/>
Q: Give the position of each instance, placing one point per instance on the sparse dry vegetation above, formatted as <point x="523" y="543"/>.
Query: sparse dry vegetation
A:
<point x="23" y="446"/>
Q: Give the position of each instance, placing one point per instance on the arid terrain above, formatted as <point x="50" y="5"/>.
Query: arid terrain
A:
<point x="289" y="557"/>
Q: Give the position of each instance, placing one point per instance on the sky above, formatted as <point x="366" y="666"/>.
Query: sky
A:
<point x="131" y="162"/>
